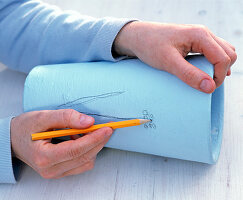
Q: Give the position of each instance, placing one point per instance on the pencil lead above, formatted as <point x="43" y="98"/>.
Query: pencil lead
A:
<point x="143" y="121"/>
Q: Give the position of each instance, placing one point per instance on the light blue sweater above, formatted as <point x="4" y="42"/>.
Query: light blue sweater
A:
<point x="34" y="33"/>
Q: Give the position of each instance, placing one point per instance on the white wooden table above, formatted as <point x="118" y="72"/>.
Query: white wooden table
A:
<point x="127" y="175"/>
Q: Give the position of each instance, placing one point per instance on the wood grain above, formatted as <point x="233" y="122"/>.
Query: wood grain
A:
<point x="121" y="175"/>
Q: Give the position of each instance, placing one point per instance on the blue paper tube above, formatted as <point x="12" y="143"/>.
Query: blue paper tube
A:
<point x="185" y="123"/>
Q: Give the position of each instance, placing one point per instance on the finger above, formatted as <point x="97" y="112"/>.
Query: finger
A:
<point x="229" y="72"/>
<point x="60" y="168"/>
<point x="54" y="175"/>
<point x="74" y="137"/>
<point x="205" y="44"/>
<point x="223" y="40"/>
<point x="190" y="74"/>
<point x="228" y="48"/>
<point x="72" y="149"/>
<point x="79" y="170"/>
<point x="64" y="118"/>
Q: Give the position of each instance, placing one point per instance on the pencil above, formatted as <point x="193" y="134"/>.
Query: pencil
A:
<point x="66" y="132"/>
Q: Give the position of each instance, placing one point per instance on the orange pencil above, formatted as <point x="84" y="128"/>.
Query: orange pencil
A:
<point x="65" y="132"/>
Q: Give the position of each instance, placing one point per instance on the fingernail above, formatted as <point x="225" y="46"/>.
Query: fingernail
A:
<point x="206" y="85"/>
<point x="109" y="132"/>
<point x="85" y="119"/>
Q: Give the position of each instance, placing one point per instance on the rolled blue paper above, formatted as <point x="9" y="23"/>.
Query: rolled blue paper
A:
<point x="185" y="123"/>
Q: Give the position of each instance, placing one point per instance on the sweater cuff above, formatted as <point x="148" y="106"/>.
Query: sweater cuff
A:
<point x="7" y="174"/>
<point x="107" y="35"/>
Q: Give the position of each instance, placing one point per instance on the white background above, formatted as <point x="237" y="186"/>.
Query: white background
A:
<point x="127" y="175"/>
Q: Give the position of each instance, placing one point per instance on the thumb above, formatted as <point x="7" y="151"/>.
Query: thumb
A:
<point x="64" y="118"/>
<point x="190" y="74"/>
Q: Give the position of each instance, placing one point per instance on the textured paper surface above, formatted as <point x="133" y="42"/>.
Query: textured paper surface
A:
<point x="181" y="116"/>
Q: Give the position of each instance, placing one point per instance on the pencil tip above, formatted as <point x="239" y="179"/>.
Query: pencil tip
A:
<point x="143" y="121"/>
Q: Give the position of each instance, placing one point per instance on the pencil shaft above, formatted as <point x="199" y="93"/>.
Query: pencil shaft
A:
<point x="66" y="132"/>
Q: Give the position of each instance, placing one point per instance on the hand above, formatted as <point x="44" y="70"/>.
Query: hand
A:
<point x="57" y="160"/>
<point x="164" y="46"/>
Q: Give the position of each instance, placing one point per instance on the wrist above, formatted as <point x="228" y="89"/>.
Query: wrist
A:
<point x="125" y="40"/>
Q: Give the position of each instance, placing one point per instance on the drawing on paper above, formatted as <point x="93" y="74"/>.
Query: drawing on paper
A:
<point x="78" y="103"/>
<point x="89" y="99"/>
<point x="150" y="124"/>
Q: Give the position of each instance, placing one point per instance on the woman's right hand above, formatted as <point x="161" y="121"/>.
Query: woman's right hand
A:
<point x="57" y="160"/>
